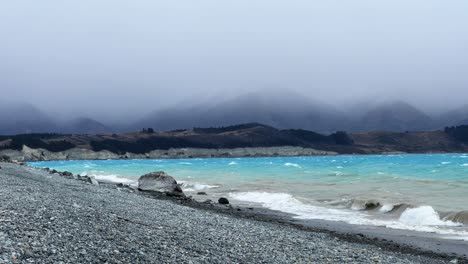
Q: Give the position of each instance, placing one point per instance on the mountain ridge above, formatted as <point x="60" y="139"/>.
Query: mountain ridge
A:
<point x="281" y="110"/>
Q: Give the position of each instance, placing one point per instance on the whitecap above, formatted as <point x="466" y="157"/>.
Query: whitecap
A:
<point x="195" y="186"/>
<point x="424" y="216"/>
<point x="232" y="163"/>
<point x="386" y="208"/>
<point x="288" y="164"/>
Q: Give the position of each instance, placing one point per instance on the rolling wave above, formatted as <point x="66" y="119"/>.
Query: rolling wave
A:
<point x="416" y="218"/>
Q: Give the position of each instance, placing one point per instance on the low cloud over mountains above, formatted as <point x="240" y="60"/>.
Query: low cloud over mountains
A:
<point x="281" y="110"/>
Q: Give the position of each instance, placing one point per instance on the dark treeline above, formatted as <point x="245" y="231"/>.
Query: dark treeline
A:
<point x="458" y="132"/>
<point x="224" y="129"/>
<point x="37" y="141"/>
<point x="146" y="145"/>
<point x="338" y="138"/>
<point x="238" y="136"/>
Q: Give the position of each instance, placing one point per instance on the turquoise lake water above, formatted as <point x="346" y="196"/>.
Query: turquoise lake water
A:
<point x="427" y="192"/>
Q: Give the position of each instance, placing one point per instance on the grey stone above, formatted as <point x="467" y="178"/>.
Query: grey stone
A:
<point x="93" y="180"/>
<point x="160" y="182"/>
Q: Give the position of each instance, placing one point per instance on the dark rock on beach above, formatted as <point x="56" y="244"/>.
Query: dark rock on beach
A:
<point x="160" y="182"/>
<point x="223" y="200"/>
<point x="66" y="173"/>
<point x="201" y="193"/>
<point x="5" y="158"/>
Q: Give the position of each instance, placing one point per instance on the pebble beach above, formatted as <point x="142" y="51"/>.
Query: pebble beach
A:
<point x="45" y="218"/>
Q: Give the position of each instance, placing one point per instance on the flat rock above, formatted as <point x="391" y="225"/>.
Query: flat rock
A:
<point x="93" y="180"/>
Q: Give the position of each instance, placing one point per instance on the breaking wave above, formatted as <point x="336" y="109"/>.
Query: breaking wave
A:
<point x="110" y="178"/>
<point x="195" y="186"/>
<point x="421" y="218"/>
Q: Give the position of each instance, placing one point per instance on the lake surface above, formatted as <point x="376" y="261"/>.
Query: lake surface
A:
<point x="427" y="192"/>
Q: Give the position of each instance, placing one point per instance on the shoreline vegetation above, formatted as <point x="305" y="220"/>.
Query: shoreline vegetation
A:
<point x="247" y="140"/>
<point x="54" y="216"/>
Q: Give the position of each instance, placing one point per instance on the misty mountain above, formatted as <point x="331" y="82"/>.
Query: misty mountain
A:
<point x="281" y="110"/>
<point x="455" y="117"/>
<point x="395" y="116"/>
<point x="84" y="125"/>
<point x="19" y="118"/>
<point x="289" y="110"/>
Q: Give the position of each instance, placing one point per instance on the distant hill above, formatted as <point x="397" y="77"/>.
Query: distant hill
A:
<point x="239" y="136"/>
<point x="455" y="117"/>
<point x="18" y="118"/>
<point x="394" y="116"/>
<point x="84" y="125"/>
<point x="281" y="110"/>
<point x="288" y="111"/>
<point x="252" y="135"/>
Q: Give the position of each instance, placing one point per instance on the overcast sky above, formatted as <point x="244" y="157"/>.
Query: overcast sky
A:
<point x="108" y="58"/>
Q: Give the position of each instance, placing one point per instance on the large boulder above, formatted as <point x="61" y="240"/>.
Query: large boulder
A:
<point x="160" y="182"/>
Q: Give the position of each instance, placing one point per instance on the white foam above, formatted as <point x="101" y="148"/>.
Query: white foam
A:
<point x="465" y="165"/>
<point x="445" y="162"/>
<point x="412" y="219"/>
<point x="112" y="178"/>
<point x="196" y="186"/>
<point x="288" y="164"/>
<point x="185" y="163"/>
<point x="386" y="208"/>
<point x="232" y="163"/>
<point x="425" y="216"/>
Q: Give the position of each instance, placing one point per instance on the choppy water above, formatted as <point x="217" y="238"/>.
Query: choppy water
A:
<point x="426" y="193"/>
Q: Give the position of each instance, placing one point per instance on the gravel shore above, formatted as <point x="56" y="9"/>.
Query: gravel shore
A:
<point x="45" y="218"/>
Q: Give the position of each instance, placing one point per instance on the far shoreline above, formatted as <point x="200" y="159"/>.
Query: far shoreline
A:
<point x="254" y="157"/>
<point x="37" y="155"/>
